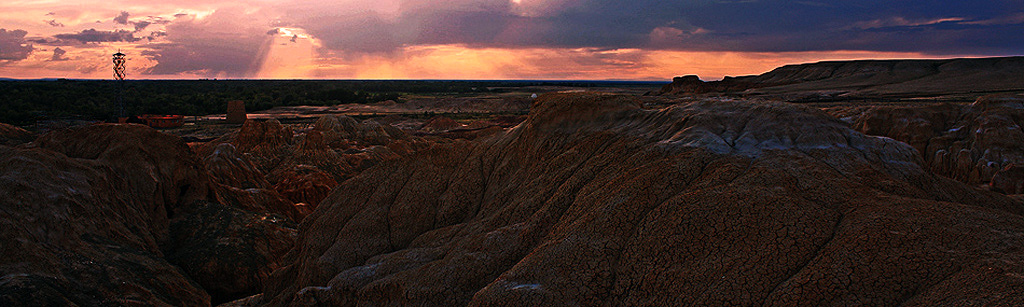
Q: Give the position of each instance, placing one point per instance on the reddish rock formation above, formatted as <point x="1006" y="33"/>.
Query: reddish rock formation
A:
<point x="266" y="142"/>
<point x="306" y="184"/>
<point x="367" y="133"/>
<point x="86" y="211"/>
<point x="440" y="124"/>
<point x="240" y="184"/>
<point x="227" y="167"/>
<point x="266" y="168"/>
<point x="594" y="201"/>
<point x="337" y="145"/>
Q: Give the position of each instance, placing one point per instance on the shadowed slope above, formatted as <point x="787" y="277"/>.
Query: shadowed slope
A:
<point x="85" y="212"/>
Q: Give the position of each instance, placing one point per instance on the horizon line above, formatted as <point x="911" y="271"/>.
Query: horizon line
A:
<point x="389" y="80"/>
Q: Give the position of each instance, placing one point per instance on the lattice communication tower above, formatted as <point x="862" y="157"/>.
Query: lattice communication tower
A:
<point x="119" y="76"/>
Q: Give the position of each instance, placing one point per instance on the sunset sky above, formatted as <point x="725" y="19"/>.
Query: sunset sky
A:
<point x="486" y="39"/>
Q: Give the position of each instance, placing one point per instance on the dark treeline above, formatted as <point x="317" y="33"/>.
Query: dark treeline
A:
<point x="25" y="102"/>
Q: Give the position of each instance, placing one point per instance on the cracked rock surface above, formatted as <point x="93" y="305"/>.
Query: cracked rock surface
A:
<point x="595" y="201"/>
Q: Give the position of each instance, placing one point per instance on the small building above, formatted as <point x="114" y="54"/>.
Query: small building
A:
<point x="236" y="112"/>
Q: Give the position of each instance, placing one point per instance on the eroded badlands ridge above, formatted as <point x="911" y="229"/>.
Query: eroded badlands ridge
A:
<point x="596" y="201"/>
<point x="845" y="80"/>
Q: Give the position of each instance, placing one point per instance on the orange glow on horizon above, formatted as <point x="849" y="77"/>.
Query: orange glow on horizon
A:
<point x="304" y="59"/>
<point x="463" y="62"/>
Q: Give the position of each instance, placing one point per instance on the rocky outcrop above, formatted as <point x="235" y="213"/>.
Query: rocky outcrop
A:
<point x="227" y="167"/>
<point x="266" y="142"/>
<point x="847" y="80"/>
<point x="13" y="135"/>
<point x="367" y="133"/>
<point x="86" y="212"/>
<point x="969" y="143"/>
<point x="693" y="85"/>
<point x="595" y="201"/>
<point x="306" y="184"/>
<point x="240" y="184"/>
<point x="298" y="169"/>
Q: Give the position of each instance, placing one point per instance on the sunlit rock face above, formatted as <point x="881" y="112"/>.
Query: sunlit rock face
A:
<point x="970" y="143"/>
<point x="86" y="212"/>
<point x="596" y="201"/>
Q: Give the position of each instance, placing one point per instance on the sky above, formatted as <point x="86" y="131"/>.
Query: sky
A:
<point x="487" y="39"/>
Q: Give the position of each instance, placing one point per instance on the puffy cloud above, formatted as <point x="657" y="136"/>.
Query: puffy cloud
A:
<point x="54" y="23"/>
<point x="13" y="46"/>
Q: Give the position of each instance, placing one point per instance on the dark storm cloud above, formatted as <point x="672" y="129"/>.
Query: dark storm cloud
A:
<point x="13" y="46"/>
<point x="977" y="27"/>
<point x="97" y="36"/>
<point x="121" y="18"/>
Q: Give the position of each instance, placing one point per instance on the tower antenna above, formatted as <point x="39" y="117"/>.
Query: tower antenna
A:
<point x="119" y="61"/>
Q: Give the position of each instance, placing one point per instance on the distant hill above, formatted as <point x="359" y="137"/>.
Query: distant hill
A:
<point x="847" y="80"/>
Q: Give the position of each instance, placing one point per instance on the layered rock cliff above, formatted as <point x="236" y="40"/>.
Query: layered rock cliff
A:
<point x="596" y="201"/>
